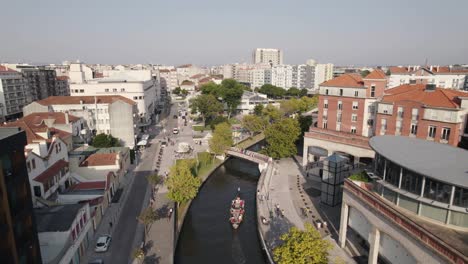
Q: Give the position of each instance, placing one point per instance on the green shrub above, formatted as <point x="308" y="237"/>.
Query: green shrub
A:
<point x="361" y="176"/>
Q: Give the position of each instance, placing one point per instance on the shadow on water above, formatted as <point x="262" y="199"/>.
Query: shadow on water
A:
<point x="206" y="236"/>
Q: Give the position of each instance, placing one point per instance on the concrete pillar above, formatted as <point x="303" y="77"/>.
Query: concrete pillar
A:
<point x="422" y="194"/>
<point x="452" y="195"/>
<point x="399" y="186"/>
<point x="374" y="243"/>
<point x="343" y="224"/>
<point x="385" y="169"/>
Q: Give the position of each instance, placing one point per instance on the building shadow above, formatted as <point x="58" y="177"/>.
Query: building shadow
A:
<point x="162" y="212"/>
<point x="152" y="259"/>
<point x="278" y="225"/>
<point x="147" y="247"/>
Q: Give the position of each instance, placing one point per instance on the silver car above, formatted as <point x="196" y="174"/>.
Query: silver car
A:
<point x="103" y="243"/>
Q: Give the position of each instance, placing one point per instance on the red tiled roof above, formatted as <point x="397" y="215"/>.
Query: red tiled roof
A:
<point x="439" y="97"/>
<point x="102" y="99"/>
<point x="186" y="82"/>
<point x="345" y="80"/>
<point x="396" y="70"/>
<point x="51" y="171"/>
<point x="6" y="69"/>
<point x="99" y="159"/>
<point x="164" y="70"/>
<point x="184" y="66"/>
<point x="30" y="131"/>
<point x="95" y="185"/>
<point x="196" y="76"/>
<point x="376" y="74"/>
<point x="338" y="137"/>
<point x="58" y="117"/>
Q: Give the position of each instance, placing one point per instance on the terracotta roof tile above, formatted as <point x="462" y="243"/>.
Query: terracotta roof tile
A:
<point x="186" y="82"/>
<point x="62" y="78"/>
<point x="103" y="99"/>
<point x="95" y="185"/>
<point x="376" y="74"/>
<point x="51" y="171"/>
<point x="58" y="117"/>
<point x="345" y="80"/>
<point x="439" y="97"/>
<point x="100" y="159"/>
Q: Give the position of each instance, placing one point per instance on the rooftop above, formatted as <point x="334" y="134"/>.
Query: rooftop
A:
<point x="51" y="171"/>
<point x="100" y="159"/>
<point x="56" y="218"/>
<point x="6" y="69"/>
<point x="345" y="80"/>
<point x="6" y="132"/>
<point x="439" y="97"/>
<point x="101" y="99"/>
<point x="376" y="74"/>
<point x="425" y="157"/>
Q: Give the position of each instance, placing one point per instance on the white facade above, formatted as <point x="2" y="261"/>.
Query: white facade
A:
<point x="281" y="76"/>
<point x="250" y="99"/>
<point x="269" y="56"/>
<point x="323" y="73"/>
<point x="445" y="80"/>
<point x="80" y="73"/>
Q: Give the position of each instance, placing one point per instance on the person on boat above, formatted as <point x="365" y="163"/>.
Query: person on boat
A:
<point x="238" y="189"/>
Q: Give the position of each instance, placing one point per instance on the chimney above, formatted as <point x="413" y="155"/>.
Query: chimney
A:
<point x="66" y="118"/>
<point x="430" y="68"/>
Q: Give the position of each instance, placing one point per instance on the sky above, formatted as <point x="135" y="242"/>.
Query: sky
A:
<point x="202" y="32"/>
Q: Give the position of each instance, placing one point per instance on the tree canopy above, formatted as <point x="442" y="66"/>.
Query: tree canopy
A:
<point x="222" y="138"/>
<point x="254" y="124"/>
<point x="272" y="91"/>
<point x="258" y="109"/>
<point x="207" y="105"/>
<point x="302" y="247"/>
<point x="281" y="137"/>
<point x="274" y="114"/>
<point x="305" y="122"/>
<point x="105" y="141"/>
<point x="230" y="91"/>
<point x="364" y="73"/>
<point x="293" y="91"/>
<point x="299" y="105"/>
<point x="181" y="183"/>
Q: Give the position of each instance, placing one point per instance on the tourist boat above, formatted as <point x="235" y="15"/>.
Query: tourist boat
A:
<point x="237" y="211"/>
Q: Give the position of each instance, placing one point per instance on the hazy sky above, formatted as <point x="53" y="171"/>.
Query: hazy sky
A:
<point x="360" y="32"/>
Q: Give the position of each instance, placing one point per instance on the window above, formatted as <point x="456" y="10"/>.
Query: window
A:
<point x="340" y="105"/>
<point x="140" y="97"/>
<point x="414" y="114"/>
<point x="384" y="124"/>
<point x="356" y="93"/>
<point x="432" y="132"/>
<point x="122" y="89"/>
<point x="114" y="90"/>
<point x="326" y="91"/>
<point x="371" y="109"/>
<point x="411" y="182"/>
<point x="398" y="127"/>
<point x="29" y="166"/>
<point x="400" y="112"/>
<point x="338" y="118"/>
<point x="438" y="191"/>
<point x="353" y="118"/>
<point x="106" y="90"/>
<point x="325" y="104"/>
<point x="341" y="92"/>
<point x="33" y="162"/>
<point x="81" y="90"/>
<point x="353" y="130"/>
<point x="355" y="105"/>
<point x="324" y="124"/>
<point x="372" y="91"/>
<point x="461" y="197"/>
<point x="445" y="133"/>
<point x="135" y="97"/>
<point x="414" y="129"/>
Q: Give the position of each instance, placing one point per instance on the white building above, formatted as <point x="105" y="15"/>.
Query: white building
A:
<point x="14" y="91"/>
<point x="137" y="85"/>
<point x="250" y="99"/>
<point x="64" y="232"/>
<point x="80" y="73"/>
<point x="453" y="77"/>
<point x="323" y="73"/>
<point x="168" y="79"/>
<point x="281" y="76"/>
<point x="269" y="56"/>
<point x="112" y="114"/>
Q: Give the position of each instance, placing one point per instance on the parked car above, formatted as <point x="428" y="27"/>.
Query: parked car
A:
<point x="103" y="243"/>
<point x="175" y="116"/>
<point x="175" y="131"/>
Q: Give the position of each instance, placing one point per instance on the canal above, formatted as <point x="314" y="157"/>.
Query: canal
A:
<point x="206" y="236"/>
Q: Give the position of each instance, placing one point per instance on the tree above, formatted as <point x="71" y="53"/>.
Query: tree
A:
<point x="231" y="92"/>
<point x="364" y="73"/>
<point x="176" y="90"/>
<point x="216" y="120"/>
<point x="272" y="91"/>
<point x="207" y="105"/>
<point x="211" y="88"/>
<point x="273" y="113"/>
<point x="302" y="247"/>
<point x="305" y="122"/>
<point x="303" y="92"/>
<point x="105" y="141"/>
<point x="222" y="138"/>
<point x="181" y="183"/>
<point x="258" y="110"/>
<point x="138" y="253"/>
<point x="293" y="91"/>
<point x="147" y="218"/>
<point x="388" y="73"/>
<point x="184" y="92"/>
<point x="281" y="137"/>
<point x="254" y="124"/>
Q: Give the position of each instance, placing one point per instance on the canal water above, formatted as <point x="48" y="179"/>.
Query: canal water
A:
<point x="206" y="236"/>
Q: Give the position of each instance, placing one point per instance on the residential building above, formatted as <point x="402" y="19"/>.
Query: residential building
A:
<point x="346" y="117"/>
<point x="187" y="85"/>
<point x="454" y="77"/>
<point x="323" y="73"/>
<point x="423" y="111"/>
<point x="80" y="73"/>
<point x="168" y="79"/>
<point x="62" y="86"/>
<point x="112" y="114"/>
<point x="413" y="210"/>
<point x="282" y="76"/>
<point x="96" y="166"/>
<point x="269" y="56"/>
<point x="250" y="99"/>
<point x="136" y="85"/>
<point x="19" y="241"/>
<point x="14" y="91"/>
<point x="64" y="232"/>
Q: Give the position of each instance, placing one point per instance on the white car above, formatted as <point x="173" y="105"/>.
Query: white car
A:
<point x="175" y="131"/>
<point x="103" y="243"/>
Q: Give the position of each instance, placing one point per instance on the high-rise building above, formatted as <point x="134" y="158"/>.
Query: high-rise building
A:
<point x="14" y="91"/>
<point x="282" y="76"/>
<point x="19" y="240"/>
<point x="270" y="56"/>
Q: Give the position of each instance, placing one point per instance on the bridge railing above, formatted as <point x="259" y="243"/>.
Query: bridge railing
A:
<point x="251" y="154"/>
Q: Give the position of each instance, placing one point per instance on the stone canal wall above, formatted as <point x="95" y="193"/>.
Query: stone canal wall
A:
<point x="262" y="208"/>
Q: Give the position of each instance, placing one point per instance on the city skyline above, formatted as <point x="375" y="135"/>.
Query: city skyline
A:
<point x="213" y="33"/>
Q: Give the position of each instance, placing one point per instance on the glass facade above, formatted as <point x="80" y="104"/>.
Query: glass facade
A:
<point x="411" y="181"/>
<point x="392" y="175"/>
<point x="389" y="195"/>
<point x="433" y="212"/>
<point x="437" y="191"/>
<point x="461" y="197"/>
<point x="379" y="164"/>
<point x="408" y="203"/>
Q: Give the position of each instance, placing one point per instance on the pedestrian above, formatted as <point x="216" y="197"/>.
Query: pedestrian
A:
<point x="170" y="213"/>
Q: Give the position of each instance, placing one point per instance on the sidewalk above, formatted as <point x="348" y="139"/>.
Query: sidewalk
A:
<point x="284" y="186"/>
